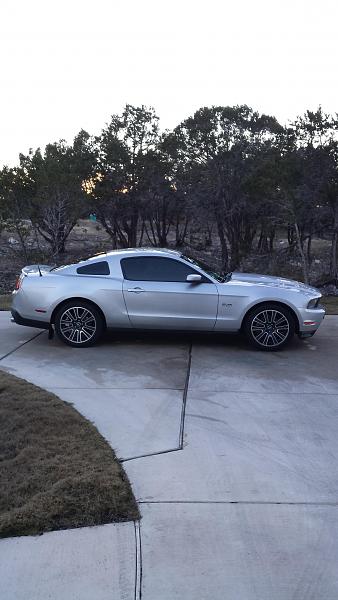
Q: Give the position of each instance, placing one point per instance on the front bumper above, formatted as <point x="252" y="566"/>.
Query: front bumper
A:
<point x="310" y="319"/>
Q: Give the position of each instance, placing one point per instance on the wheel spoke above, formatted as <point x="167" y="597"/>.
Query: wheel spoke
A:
<point x="88" y="319"/>
<point x="85" y="334"/>
<point x="65" y="329"/>
<point x="266" y="341"/>
<point x="262" y="337"/>
<point x="269" y="316"/>
<point x="278" y="337"/>
<point x="279" y="320"/>
<point x="72" y="335"/>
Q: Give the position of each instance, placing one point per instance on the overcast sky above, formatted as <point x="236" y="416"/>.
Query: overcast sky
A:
<point x="68" y="65"/>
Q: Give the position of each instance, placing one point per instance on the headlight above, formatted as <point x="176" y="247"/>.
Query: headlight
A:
<point x="313" y="303"/>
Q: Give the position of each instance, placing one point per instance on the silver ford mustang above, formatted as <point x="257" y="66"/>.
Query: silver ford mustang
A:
<point x="163" y="290"/>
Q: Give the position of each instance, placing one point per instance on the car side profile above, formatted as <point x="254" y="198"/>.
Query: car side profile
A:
<point x="154" y="289"/>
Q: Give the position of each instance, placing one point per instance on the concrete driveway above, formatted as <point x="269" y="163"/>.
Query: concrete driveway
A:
<point x="232" y="454"/>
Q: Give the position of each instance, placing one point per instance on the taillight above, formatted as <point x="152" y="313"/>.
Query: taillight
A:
<point x="18" y="282"/>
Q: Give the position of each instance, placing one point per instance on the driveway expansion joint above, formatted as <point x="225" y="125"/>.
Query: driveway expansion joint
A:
<point x="182" y="422"/>
<point x="55" y="387"/>
<point x="123" y="460"/>
<point x="184" y="400"/>
<point x="138" y="561"/>
<point x="21" y="345"/>
<point x="244" y="502"/>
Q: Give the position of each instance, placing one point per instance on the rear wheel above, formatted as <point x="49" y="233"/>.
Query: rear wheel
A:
<point x="269" y="326"/>
<point x="78" y="324"/>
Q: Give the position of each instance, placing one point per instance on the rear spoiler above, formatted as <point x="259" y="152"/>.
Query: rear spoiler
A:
<point x="37" y="269"/>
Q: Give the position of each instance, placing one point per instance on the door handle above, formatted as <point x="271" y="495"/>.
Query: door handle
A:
<point x="136" y="290"/>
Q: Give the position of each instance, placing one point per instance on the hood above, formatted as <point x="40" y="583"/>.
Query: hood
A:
<point x="270" y="281"/>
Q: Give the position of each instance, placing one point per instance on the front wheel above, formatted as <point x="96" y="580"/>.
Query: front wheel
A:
<point x="269" y="327"/>
<point x="78" y="324"/>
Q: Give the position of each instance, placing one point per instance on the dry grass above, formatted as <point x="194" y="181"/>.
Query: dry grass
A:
<point x="5" y="301"/>
<point x="56" y="470"/>
<point x="331" y="304"/>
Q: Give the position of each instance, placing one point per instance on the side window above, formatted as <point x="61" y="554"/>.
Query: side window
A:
<point x="95" y="268"/>
<point x="149" y="268"/>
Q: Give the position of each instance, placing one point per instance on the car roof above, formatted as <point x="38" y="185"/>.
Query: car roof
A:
<point x="115" y="254"/>
<point x="125" y="252"/>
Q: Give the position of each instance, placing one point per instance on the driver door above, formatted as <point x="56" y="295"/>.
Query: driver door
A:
<point x="157" y="295"/>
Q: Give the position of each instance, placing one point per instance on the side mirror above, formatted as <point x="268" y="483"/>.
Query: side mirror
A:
<point x="194" y="278"/>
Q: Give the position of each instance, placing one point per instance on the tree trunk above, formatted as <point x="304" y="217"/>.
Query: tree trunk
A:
<point x="140" y="242"/>
<point x="22" y="241"/>
<point x="272" y="239"/>
<point x="291" y="239"/>
<point x="334" y="252"/>
<point x="224" y="246"/>
<point x="305" y="265"/>
<point x="262" y="246"/>
<point x="334" y="248"/>
<point x="308" y="252"/>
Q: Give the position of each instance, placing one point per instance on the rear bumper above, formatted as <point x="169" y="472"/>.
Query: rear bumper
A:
<point x="17" y="318"/>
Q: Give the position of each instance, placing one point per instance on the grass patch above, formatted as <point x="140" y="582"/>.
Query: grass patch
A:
<point x="5" y="301"/>
<point x="56" y="470"/>
<point x="331" y="304"/>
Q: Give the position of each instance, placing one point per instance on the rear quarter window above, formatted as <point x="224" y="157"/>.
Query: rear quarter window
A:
<point x="96" y="268"/>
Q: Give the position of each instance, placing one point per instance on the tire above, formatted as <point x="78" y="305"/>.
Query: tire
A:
<point x="269" y="327"/>
<point x="79" y="324"/>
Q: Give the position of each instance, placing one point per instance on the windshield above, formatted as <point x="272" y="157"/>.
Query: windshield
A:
<point x="206" y="268"/>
